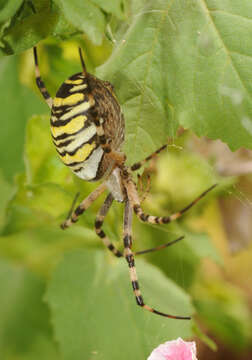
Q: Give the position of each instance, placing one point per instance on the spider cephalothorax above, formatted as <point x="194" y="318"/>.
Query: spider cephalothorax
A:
<point x="87" y="128"/>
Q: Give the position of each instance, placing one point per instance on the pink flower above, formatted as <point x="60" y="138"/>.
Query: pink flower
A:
<point x="174" y="350"/>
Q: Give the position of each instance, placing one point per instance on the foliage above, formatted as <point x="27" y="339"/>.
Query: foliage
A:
<point x="172" y="63"/>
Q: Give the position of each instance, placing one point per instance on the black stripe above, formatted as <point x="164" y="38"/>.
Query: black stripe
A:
<point x="130" y="260"/>
<point x="101" y="234"/>
<point x="76" y="76"/>
<point x="59" y="122"/>
<point x="79" y="211"/>
<point x="45" y="94"/>
<point x="64" y="143"/>
<point x="63" y="136"/>
<point x="78" y="170"/>
<point x="102" y="139"/>
<point x="139" y="300"/>
<point x="111" y="247"/>
<point x="127" y="241"/>
<point x="82" y="162"/>
<point x="144" y="217"/>
<point x="65" y="89"/>
<point x="41" y="85"/>
<point x="136" y="166"/>
<point x="35" y="52"/>
<point x="99" y="172"/>
<point x="166" y="219"/>
<point x="135" y="285"/>
<point x="63" y="153"/>
<point x="98" y="224"/>
<point x="136" y="208"/>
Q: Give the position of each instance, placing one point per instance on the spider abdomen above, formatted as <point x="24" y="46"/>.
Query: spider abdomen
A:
<point x="78" y="102"/>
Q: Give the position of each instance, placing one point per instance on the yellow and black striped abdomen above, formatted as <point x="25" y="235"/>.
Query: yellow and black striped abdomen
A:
<point x="73" y="129"/>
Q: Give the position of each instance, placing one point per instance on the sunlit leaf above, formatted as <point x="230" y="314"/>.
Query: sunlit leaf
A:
<point x="26" y="33"/>
<point x="8" y="8"/>
<point x="182" y="63"/>
<point x="85" y="16"/>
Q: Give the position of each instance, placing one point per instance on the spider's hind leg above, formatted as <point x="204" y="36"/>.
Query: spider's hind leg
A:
<point x="129" y="256"/>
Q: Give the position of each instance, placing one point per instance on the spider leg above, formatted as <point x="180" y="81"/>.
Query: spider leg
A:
<point x="99" y="222"/>
<point x="139" y="164"/>
<point x="146" y="190"/>
<point x="98" y="229"/>
<point x="163" y="246"/>
<point x="129" y="256"/>
<point x="84" y="205"/>
<point x="135" y="203"/>
<point x="40" y="82"/>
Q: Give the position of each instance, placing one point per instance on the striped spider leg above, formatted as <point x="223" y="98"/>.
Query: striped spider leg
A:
<point x="129" y="256"/>
<point x="98" y="229"/>
<point x="40" y="82"/>
<point x="87" y="127"/>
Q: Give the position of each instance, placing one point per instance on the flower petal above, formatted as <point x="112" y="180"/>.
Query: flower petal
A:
<point x="174" y="350"/>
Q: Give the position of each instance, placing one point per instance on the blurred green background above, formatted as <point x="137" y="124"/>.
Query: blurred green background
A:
<point x="178" y="72"/>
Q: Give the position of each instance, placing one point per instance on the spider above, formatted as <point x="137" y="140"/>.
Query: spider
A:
<point x="87" y="127"/>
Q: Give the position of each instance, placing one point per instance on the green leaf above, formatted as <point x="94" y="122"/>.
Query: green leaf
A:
<point x="17" y="104"/>
<point x="182" y="63"/>
<point x="41" y="159"/>
<point x="90" y="299"/>
<point x="202" y="246"/>
<point x="115" y="7"/>
<point x="85" y="16"/>
<point x="24" y="318"/>
<point x="8" y="8"/>
<point x="26" y="33"/>
<point x="6" y="192"/>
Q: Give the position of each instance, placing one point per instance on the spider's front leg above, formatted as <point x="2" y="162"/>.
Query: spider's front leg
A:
<point x="135" y="203"/>
<point x="39" y="80"/>
<point x="129" y="256"/>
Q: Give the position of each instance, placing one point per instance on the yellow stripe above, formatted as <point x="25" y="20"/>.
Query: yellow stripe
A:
<point x="70" y="100"/>
<point x="73" y="126"/>
<point x="80" y="155"/>
<point x="74" y="82"/>
<point x="78" y="87"/>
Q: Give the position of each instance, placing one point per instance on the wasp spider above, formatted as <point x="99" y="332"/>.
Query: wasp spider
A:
<point x="87" y="127"/>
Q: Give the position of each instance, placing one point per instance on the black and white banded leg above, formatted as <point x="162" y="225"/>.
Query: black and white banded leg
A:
<point x="99" y="231"/>
<point x="155" y="220"/>
<point x="99" y="222"/>
<point x="129" y="256"/>
<point x="40" y="82"/>
<point x="84" y="205"/>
